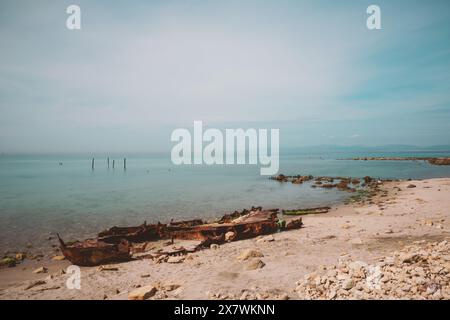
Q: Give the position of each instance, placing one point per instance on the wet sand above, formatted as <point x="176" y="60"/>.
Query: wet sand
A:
<point x="399" y="217"/>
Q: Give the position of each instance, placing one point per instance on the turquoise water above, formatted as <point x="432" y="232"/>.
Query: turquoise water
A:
<point x="39" y="196"/>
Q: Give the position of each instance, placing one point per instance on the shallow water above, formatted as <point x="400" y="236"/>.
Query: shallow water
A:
<point x="39" y="197"/>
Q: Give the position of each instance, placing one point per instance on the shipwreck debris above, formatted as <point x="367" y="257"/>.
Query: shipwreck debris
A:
<point x="93" y="252"/>
<point x="125" y="243"/>
<point x="227" y="218"/>
<point x="140" y="233"/>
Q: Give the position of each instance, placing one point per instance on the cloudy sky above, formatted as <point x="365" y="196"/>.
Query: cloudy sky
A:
<point x="139" y="69"/>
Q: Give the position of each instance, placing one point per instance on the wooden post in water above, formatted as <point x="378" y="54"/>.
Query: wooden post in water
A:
<point x="108" y="162"/>
<point x="124" y="164"/>
<point x="92" y="163"/>
<point x="113" y="163"/>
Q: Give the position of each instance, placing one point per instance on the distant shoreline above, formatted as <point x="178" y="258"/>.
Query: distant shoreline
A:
<point x="442" y="161"/>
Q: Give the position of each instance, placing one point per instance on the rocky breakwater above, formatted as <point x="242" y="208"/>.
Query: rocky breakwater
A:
<point x="443" y="161"/>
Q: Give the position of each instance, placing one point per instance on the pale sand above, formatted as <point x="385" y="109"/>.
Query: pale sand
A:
<point x="366" y="232"/>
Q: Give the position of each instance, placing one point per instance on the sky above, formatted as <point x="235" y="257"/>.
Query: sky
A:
<point x="137" y="70"/>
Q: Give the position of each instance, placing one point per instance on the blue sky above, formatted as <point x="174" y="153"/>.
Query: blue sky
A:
<point x="139" y="69"/>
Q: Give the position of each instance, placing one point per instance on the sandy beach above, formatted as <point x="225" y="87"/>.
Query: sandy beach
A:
<point x="403" y="214"/>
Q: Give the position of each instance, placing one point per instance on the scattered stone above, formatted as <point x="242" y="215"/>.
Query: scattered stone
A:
<point x="229" y="236"/>
<point x="60" y="272"/>
<point x="249" y="253"/>
<point x="410" y="186"/>
<point x="254" y="264"/>
<point x="20" y="256"/>
<point x="142" y="293"/>
<point x="40" y="270"/>
<point x="59" y="258"/>
<point x="175" y="259"/>
<point x="107" y="268"/>
<point x="428" y="223"/>
<point x="8" y="262"/>
<point x="48" y="288"/>
<point x="34" y="284"/>
<point x="214" y="246"/>
<point x="177" y="292"/>
<point x="244" y="295"/>
<point x="171" y="287"/>
<point x="268" y="238"/>
<point x="348" y="284"/>
<point x="356" y="241"/>
<point x="419" y="271"/>
<point x="161" y="258"/>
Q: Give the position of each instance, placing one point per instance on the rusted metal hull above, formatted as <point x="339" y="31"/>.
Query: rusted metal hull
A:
<point x="243" y="230"/>
<point x="141" y="233"/>
<point x="230" y="217"/>
<point x="93" y="252"/>
<point x="115" y="244"/>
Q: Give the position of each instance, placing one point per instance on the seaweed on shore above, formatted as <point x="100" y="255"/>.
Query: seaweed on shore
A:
<point x="301" y="212"/>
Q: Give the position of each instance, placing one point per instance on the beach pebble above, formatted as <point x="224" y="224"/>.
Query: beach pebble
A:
<point x="177" y="292"/>
<point x="34" y="284"/>
<point x="268" y="238"/>
<point x="348" y="284"/>
<point x="254" y="264"/>
<point x="175" y="259"/>
<point x="171" y="287"/>
<point x="58" y="258"/>
<point x="161" y="258"/>
<point x="40" y="270"/>
<point x="356" y="241"/>
<point x="142" y="293"/>
<point x="229" y="236"/>
<point x="428" y="223"/>
<point x="249" y="253"/>
<point x="411" y="273"/>
<point x="20" y="256"/>
<point x="107" y="268"/>
<point x="60" y="272"/>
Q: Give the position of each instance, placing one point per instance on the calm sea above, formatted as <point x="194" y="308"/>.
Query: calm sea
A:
<point x="42" y="195"/>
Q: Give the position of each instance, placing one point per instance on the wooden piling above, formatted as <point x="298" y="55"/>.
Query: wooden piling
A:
<point x="113" y="163"/>
<point x="93" y="163"/>
<point x="108" y="162"/>
<point x="124" y="164"/>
